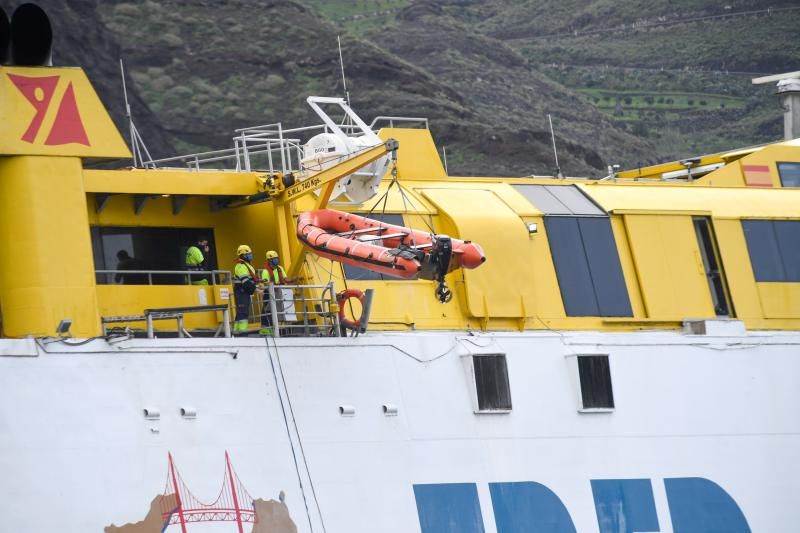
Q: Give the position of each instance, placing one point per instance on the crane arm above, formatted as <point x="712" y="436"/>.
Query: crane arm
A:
<point x="284" y="195"/>
<point x="328" y="177"/>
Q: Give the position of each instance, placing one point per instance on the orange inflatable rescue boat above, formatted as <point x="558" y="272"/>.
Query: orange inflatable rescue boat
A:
<point x="394" y="250"/>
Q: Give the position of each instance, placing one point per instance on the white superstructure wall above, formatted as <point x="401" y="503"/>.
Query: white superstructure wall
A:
<point x="693" y="414"/>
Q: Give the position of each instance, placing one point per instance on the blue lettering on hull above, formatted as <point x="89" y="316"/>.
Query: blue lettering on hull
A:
<point x="696" y="505"/>
<point x="624" y="505"/>
<point x="528" y="507"/>
<point x="449" y="508"/>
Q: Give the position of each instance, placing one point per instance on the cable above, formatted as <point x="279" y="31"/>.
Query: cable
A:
<point x="419" y="359"/>
<point x="76" y="343"/>
<point x="289" y="435"/>
<point x="491" y="341"/>
<point x="567" y="345"/>
<point x="296" y="430"/>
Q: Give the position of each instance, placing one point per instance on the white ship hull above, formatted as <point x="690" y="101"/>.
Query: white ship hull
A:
<point x="703" y="417"/>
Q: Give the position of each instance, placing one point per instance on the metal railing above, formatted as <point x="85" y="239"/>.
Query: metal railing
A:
<point x="173" y="313"/>
<point x="297" y="310"/>
<point x="271" y="148"/>
<point x="402" y="120"/>
<point x="164" y="277"/>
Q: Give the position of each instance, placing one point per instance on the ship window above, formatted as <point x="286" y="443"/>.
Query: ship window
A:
<point x="712" y="266"/>
<point x="359" y="274"/>
<point x="587" y="266"/>
<point x="149" y="249"/>
<point x="595" y="378"/>
<point x="774" y="247"/>
<point x="491" y="382"/>
<point x="790" y="174"/>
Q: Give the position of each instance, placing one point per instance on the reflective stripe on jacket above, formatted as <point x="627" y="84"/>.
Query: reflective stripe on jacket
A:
<point x="277" y="275"/>
<point x="243" y="270"/>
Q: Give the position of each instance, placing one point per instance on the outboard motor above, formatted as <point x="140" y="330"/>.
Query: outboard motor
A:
<point x="30" y="37"/>
<point x="437" y="265"/>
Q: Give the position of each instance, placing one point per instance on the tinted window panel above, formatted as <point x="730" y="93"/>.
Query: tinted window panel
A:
<point x="355" y="273"/>
<point x="491" y="382"/>
<point x="762" y="245"/>
<point x="787" y="233"/>
<point x="604" y="267"/>
<point x="595" y="376"/>
<point x="572" y="268"/>
<point x="587" y="266"/>
<point x="149" y="248"/>
<point x="790" y="174"/>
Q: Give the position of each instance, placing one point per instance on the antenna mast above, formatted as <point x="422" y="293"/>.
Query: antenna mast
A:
<point x="558" y="173"/>
<point x="137" y="144"/>
<point x="341" y="64"/>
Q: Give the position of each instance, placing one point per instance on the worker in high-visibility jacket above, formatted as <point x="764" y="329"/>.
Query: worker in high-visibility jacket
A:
<point x="196" y="261"/>
<point x="273" y="272"/>
<point x="244" y="285"/>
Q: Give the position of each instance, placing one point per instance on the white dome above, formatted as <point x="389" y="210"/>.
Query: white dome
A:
<point x="327" y="149"/>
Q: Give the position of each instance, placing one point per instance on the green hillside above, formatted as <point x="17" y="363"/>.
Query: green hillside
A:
<point x="675" y="73"/>
<point x="626" y="81"/>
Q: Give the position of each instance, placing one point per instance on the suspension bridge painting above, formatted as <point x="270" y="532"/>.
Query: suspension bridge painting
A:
<point x="177" y="507"/>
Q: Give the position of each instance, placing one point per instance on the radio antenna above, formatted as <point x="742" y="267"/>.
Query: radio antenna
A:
<point x="557" y="172"/>
<point x="341" y="64"/>
<point x="138" y="148"/>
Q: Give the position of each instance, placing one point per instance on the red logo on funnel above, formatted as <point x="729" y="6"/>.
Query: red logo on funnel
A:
<point x="67" y="127"/>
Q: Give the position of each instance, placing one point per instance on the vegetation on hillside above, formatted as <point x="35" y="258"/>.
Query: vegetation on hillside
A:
<point x="626" y="81"/>
<point x="675" y="73"/>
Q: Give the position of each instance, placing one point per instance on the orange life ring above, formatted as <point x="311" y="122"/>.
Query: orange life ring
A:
<point x="341" y="298"/>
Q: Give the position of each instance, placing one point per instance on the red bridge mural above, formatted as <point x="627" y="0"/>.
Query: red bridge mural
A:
<point x="233" y="504"/>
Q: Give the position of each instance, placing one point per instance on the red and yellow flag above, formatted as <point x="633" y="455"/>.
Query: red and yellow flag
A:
<point x="757" y="176"/>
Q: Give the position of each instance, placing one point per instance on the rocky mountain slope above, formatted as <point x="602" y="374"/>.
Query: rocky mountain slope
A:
<point x="486" y="73"/>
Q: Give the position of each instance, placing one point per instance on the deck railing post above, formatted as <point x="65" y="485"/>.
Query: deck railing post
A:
<point x="273" y="309"/>
<point x="226" y="321"/>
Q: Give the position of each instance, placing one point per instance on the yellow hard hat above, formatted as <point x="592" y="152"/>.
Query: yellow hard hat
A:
<point x="243" y="249"/>
<point x="272" y="254"/>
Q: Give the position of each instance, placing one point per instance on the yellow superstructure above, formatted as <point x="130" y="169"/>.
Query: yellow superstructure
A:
<point x="662" y="236"/>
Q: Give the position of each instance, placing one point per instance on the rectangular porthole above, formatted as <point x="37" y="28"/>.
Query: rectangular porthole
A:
<point x="594" y="373"/>
<point x="492" y="388"/>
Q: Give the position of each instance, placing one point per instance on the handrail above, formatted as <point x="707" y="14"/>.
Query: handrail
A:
<point x="267" y="140"/>
<point x="315" y="314"/>
<point x="163" y="271"/>
<point x="392" y="120"/>
<point x="165" y="313"/>
<point x="215" y="275"/>
<point x="187" y="309"/>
